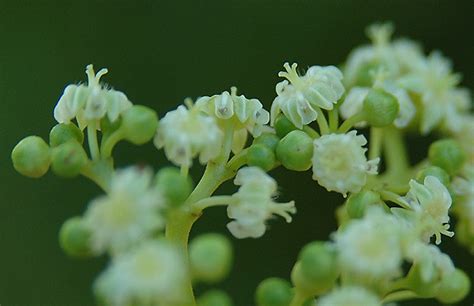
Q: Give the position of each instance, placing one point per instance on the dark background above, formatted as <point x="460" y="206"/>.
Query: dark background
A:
<point x="158" y="53"/>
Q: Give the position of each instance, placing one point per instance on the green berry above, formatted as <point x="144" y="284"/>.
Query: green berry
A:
<point x="274" y="292"/>
<point x="380" y="108"/>
<point x="357" y="203"/>
<point x="437" y="172"/>
<point x="214" y="298"/>
<point x="68" y="159"/>
<point x="174" y="186"/>
<point x="295" y="151"/>
<point x="318" y="265"/>
<point x="31" y="157"/>
<point x="74" y="238"/>
<point x="454" y="287"/>
<point x="267" y="139"/>
<point x="139" y="124"/>
<point x="283" y="126"/>
<point x="261" y="156"/>
<point x="210" y="256"/>
<point x="447" y="154"/>
<point x="63" y="132"/>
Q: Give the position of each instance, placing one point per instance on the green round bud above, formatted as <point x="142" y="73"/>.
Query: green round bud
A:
<point x="437" y="172"/>
<point x="318" y="265"/>
<point x="173" y="185"/>
<point x="261" y="156"/>
<point x="274" y="292"/>
<point x="357" y="203"/>
<point x="267" y="139"/>
<point x="31" y="157"/>
<point x="68" y="159"/>
<point x="139" y="124"/>
<point x="454" y="287"/>
<point x="447" y="154"/>
<point x="74" y="238"/>
<point x="380" y="108"/>
<point x="295" y="151"/>
<point x="464" y="234"/>
<point x="365" y="74"/>
<point x="63" y="132"/>
<point x="283" y="126"/>
<point x="214" y="298"/>
<point x="210" y="257"/>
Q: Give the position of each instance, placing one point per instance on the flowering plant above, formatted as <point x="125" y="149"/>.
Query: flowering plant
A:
<point x="392" y="213"/>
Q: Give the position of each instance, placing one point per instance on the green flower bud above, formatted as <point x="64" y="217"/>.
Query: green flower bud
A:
<point x="357" y="203"/>
<point x="274" y="292"/>
<point x="283" y="126"/>
<point x="447" y="154"/>
<point x="267" y="139"/>
<point x="437" y="172"/>
<point x="210" y="256"/>
<point x="380" y="108"/>
<point x="214" y="298"/>
<point x="365" y="75"/>
<point x="175" y="187"/>
<point x="139" y="124"/>
<point x="74" y="238"/>
<point x="68" y="159"/>
<point x="464" y="234"/>
<point x="261" y="156"/>
<point x="454" y="287"/>
<point x="295" y="151"/>
<point x="63" y="132"/>
<point x="31" y="157"/>
<point x="318" y="265"/>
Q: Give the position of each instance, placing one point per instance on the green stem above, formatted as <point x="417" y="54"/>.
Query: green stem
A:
<point x="375" y="145"/>
<point x="400" y="296"/>
<point x="350" y="122"/>
<point x="394" y="198"/>
<point x="238" y="160"/>
<point x="109" y="143"/>
<point x="322" y="122"/>
<point x="298" y="299"/>
<point x="100" y="172"/>
<point x="311" y="132"/>
<point x="92" y="140"/>
<point x="333" y="119"/>
<point x="395" y="155"/>
<point x="212" y="201"/>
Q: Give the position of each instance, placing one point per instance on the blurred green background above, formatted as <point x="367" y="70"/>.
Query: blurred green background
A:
<point x="158" y="53"/>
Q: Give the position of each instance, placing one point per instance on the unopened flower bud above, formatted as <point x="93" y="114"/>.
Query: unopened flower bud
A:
<point x="210" y="256"/>
<point x="447" y="154"/>
<point x="267" y="139"/>
<point x="261" y="156"/>
<point x="358" y="203"/>
<point x="283" y="126"/>
<point x="454" y="287"/>
<point x="214" y="298"/>
<point x="437" y="172"/>
<point x="31" y="157"/>
<point x="274" y="292"/>
<point x="74" y="238"/>
<point x="68" y="159"/>
<point x="295" y="151"/>
<point x="380" y="108"/>
<point x="174" y="186"/>
<point x="318" y="262"/>
<point x="63" y="132"/>
<point x="139" y="124"/>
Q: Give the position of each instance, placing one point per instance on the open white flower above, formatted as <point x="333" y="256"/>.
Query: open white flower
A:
<point x="246" y="113"/>
<point x="130" y="213"/>
<point x="91" y="102"/>
<point x="152" y="274"/>
<point x="187" y="132"/>
<point x="370" y="248"/>
<point x="299" y="96"/>
<point x="254" y="203"/>
<point x="349" y="296"/>
<point x="339" y="162"/>
<point x="430" y="203"/>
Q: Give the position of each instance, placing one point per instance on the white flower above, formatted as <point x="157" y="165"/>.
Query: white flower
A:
<point x="353" y="103"/>
<point x="339" y="162"/>
<point x="152" y="274"/>
<point x="130" y="213"/>
<point x="430" y="203"/>
<point x="349" y="296"/>
<point x="371" y="247"/>
<point x="246" y="113"/>
<point x="432" y="262"/>
<point x="320" y="87"/>
<point x="185" y="133"/>
<point x="91" y="102"/>
<point x="254" y="204"/>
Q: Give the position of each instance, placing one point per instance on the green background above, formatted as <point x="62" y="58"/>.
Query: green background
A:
<point x="160" y="52"/>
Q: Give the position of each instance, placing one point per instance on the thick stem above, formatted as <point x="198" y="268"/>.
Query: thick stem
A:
<point x="110" y="142"/>
<point x="92" y="140"/>
<point x="333" y="119"/>
<point x="298" y="299"/>
<point x="349" y="123"/>
<point x="395" y="155"/>
<point x="322" y="122"/>
<point x="375" y="145"/>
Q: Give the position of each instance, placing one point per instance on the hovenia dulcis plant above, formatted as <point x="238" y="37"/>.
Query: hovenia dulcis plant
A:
<point x="400" y="215"/>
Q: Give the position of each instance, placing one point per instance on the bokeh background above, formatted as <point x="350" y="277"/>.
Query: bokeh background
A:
<point x="160" y="52"/>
